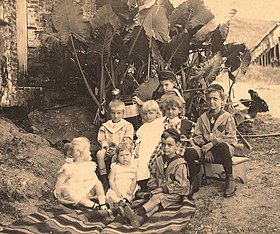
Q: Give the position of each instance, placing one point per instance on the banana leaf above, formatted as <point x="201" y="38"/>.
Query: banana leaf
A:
<point x="233" y="53"/>
<point x="68" y="20"/>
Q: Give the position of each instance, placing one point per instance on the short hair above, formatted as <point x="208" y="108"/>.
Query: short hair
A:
<point x="166" y="75"/>
<point x="150" y="105"/>
<point x="171" y="132"/>
<point x="84" y="142"/>
<point x="216" y="88"/>
<point x="116" y="103"/>
<point x="126" y="144"/>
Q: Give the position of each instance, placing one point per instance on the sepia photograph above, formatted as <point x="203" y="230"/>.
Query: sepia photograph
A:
<point x="139" y="116"/>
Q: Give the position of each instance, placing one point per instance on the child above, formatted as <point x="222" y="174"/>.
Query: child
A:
<point x="148" y="137"/>
<point x="110" y="134"/>
<point x="167" y="183"/>
<point x="173" y="110"/>
<point x="123" y="173"/>
<point x="166" y="88"/>
<point x="215" y="136"/>
<point x="77" y="181"/>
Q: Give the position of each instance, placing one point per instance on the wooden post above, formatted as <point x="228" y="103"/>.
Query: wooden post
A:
<point x="21" y="22"/>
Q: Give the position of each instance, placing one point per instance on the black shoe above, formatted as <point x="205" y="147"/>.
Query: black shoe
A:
<point x="134" y="219"/>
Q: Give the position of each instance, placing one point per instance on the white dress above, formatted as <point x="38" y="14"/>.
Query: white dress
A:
<point x="148" y="138"/>
<point x="124" y="176"/>
<point x="75" y="181"/>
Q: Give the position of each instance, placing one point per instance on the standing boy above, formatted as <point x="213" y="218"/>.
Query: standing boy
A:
<point x="111" y="134"/>
<point x="168" y="183"/>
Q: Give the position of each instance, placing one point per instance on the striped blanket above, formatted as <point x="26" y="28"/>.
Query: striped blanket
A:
<point x="61" y="219"/>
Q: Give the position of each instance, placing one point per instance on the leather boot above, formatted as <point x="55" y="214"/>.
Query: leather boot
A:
<point x="194" y="185"/>
<point x="230" y="187"/>
<point x="134" y="218"/>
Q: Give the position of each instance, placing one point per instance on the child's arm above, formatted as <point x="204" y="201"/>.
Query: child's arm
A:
<point x="101" y="138"/>
<point x="112" y="181"/>
<point x="132" y="186"/>
<point x="179" y="185"/>
<point x="198" y="138"/>
<point x="229" y="135"/>
<point x="129" y="131"/>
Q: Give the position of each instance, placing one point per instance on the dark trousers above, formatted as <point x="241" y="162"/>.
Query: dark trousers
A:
<point x="220" y="153"/>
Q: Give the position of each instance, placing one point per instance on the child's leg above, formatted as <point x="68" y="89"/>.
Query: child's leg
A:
<point x="190" y="156"/>
<point x="100" y="156"/>
<point x="99" y="190"/>
<point x="88" y="203"/>
<point x="221" y="154"/>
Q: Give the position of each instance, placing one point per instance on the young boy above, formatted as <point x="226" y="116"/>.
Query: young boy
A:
<point x="167" y="88"/>
<point x="215" y="136"/>
<point x="110" y="134"/>
<point x="168" y="183"/>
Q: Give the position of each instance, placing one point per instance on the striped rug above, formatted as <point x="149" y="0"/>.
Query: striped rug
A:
<point x="64" y="220"/>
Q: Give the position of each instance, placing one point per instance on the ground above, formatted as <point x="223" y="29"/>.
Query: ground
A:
<point x="29" y="163"/>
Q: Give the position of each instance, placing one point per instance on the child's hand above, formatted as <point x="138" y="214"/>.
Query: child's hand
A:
<point x="207" y="147"/>
<point x="157" y="191"/>
<point x="129" y="193"/>
<point x="119" y="195"/>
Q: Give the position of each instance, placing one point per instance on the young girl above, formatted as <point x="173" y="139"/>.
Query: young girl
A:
<point x="148" y="137"/>
<point x="167" y="183"/>
<point x="122" y="178"/>
<point x="77" y="181"/>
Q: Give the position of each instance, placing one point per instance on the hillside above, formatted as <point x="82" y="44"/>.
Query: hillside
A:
<point x="248" y="31"/>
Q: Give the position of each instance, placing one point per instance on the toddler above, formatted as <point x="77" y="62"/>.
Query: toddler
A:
<point x="122" y="176"/>
<point x="148" y="137"/>
<point x="110" y="134"/>
<point x="77" y="181"/>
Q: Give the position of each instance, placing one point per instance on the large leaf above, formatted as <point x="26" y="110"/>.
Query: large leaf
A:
<point x="139" y="44"/>
<point x="155" y="22"/>
<point x="177" y="50"/>
<point x="68" y="19"/>
<point x="101" y="45"/>
<point x="156" y="54"/>
<point x="219" y="36"/>
<point x="233" y="53"/>
<point x="245" y="61"/>
<point x="220" y="22"/>
<point x="190" y="14"/>
<point x="212" y="68"/>
<point x="105" y="15"/>
<point x="122" y="8"/>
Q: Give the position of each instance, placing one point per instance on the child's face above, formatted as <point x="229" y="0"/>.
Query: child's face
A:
<point x="124" y="157"/>
<point x="116" y="114"/>
<point x="169" y="146"/>
<point x="215" y="101"/>
<point x="172" y="111"/>
<point x="150" y="116"/>
<point x="167" y="85"/>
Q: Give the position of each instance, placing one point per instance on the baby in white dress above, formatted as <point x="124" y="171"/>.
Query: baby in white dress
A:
<point x="77" y="181"/>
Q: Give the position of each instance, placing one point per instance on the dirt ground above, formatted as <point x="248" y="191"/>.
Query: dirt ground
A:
<point x="29" y="162"/>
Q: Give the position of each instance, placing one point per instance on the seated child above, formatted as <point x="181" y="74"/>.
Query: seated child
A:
<point x="148" y="138"/>
<point x="214" y="138"/>
<point x="167" y="87"/>
<point x="173" y="110"/>
<point x="123" y="175"/>
<point x="167" y="183"/>
<point x="77" y="181"/>
<point x="110" y="134"/>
